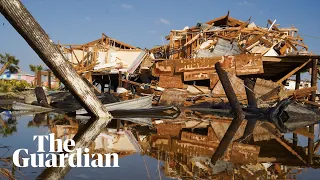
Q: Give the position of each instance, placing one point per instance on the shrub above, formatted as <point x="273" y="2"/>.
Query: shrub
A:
<point x="13" y="85"/>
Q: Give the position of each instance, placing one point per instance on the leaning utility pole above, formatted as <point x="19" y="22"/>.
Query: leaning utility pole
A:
<point x="20" y="18"/>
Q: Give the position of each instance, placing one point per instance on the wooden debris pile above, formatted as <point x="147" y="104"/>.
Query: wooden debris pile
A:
<point x="228" y="36"/>
<point x="270" y="54"/>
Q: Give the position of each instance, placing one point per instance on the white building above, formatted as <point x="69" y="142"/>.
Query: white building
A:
<point x="291" y="84"/>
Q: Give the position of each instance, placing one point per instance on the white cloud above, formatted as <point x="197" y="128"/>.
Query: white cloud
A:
<point x="164" y="21"/>
<point x="127" y="6"/>
<point x="88" y="18"/>
<point x="243" y="3"/>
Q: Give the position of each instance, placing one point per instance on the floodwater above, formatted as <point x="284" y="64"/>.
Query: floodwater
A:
<point x="166" y="152"/>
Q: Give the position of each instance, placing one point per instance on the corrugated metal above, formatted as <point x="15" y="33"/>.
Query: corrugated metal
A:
<point x="226" y="48"/>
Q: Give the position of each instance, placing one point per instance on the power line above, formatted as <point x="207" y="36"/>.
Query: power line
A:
<point x="316" y="37"/>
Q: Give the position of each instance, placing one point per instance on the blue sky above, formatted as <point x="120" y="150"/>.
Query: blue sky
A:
<point x="143" y="22"/>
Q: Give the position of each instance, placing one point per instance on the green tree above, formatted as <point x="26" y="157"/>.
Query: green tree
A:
<point x="8" y="63"/>
<point x="35" y="68"/>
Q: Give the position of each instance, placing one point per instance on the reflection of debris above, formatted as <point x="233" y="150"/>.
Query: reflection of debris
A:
<point x="188" y="154"/>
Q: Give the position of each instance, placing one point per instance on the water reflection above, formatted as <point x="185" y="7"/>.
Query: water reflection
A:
<point x="181" y="148"/>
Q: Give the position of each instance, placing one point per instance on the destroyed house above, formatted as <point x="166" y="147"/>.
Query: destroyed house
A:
<point x="242" y="47"/>
<point x="101" y="60"/>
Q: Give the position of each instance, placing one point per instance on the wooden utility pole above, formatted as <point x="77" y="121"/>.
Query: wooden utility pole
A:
<point x="49" y="79"/>
<point x="39" y="80"/>
<point x="20" y="18"/>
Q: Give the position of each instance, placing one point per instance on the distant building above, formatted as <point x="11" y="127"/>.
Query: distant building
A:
<point x="31" y="79"/>
<point x="291" y="84"/>
<point x="18" y="76"/>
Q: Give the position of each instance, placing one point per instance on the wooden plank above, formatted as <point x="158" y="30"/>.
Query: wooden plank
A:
<point x="283" y="50"/>
<point x="214" y="79"/>
<point x="293" y="72"/>
<point x="310" y="102"/>
<point x="173" y="97"/>
<point x="254" y="40"/>
<point x="301" y="92"/>
<point x="291" y="45"/>
<point x="247" y="64"/>
<point x="200" y="64"/>
<point x="266" y="42"/>
<point x="197" y="75"/>
<point x="276" y="134"/>
<point x="174" y="81"/>
<point x="300" y="44"/>
<point x="164" y="67"/>
<point x="304" y="132"/>
<point x="285" y="145"/>
<point x="74" y="54"/>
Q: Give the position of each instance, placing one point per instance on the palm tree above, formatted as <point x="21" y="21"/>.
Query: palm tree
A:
<point x="35" y="69"/>
<point x="8" y="62"/>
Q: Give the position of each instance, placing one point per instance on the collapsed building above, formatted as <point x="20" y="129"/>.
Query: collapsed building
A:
<point x="101" y="60"/>
<point x="269" y="54"/>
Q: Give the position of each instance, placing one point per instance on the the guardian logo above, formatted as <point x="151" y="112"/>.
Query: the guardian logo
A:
<point x="75" y="157"/>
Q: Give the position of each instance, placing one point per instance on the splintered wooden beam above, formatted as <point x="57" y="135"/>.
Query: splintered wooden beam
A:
<point x="285" y="145"/>
<point x="301" y="92"/>
<point x="293" y="72"/>
<point x="20" y="18"/>
<point x="74" y="54"/>
<point x="272" y="130"/>
<point x="237" y="110"/>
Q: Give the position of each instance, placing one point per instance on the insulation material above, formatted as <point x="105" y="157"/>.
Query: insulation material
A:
<point x="120" y="59"/>
<point x="271" y="52"/>
<point x="134" y="65"/>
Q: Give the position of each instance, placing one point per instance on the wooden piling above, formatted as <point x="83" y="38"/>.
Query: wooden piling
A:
<point x="120" y="79"/>
<point x="252" y="103"/>
<point x="314" y="78"/>
<point x="20" y="18"/>
<point x="297" y="86"/>
<point x="237" y="110"/>
<point x="49" y="79"/>
<point x="39" y="78"/>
